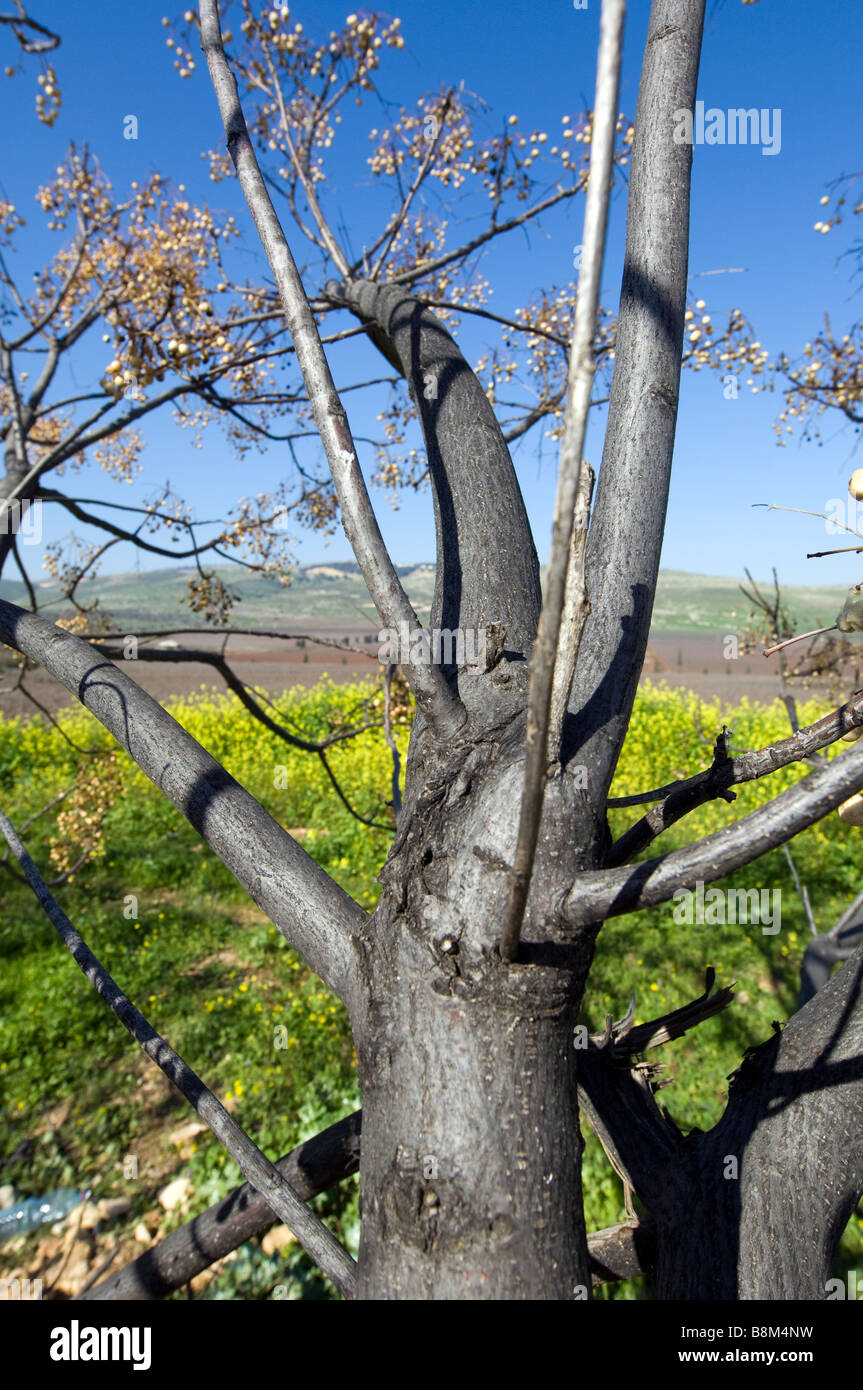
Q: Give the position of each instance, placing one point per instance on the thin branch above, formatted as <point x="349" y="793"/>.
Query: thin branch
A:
<point x="22" y="20"/>
<point x="679" y="798"/>
<point x="52" y="883"/>
<point x="204" y="657"/>
<point x="801" y="637"/>
<point x="424" y="268"/>
<point x="483" y="313"/>
<point x="239" y="632"/>
<point x="26" y="580"/>
<point x="391" y="232"/>
<point x="849" y="913"/>
<point x="247" y="699"/>
<point x="555" y="644"/>
<point x="780" y="627"/>
<point x="802" y="891"/>
<point x="823" y="516"/>
<point x="301" y="168"/>
<point x="54" y="721"/>
<point x="313" y="1235"/>
<point x="438" y="702"/>
<point x="366" y="820"/>
<point x="596" y="895"/>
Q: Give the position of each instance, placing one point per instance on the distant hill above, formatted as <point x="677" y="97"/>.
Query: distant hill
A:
<point x="333" y="594"/>
<point x="710" y="603"/>
<point x="326" y="593"/>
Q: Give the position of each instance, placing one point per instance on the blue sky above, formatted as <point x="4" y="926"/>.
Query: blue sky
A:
<point x="538" y="61"/>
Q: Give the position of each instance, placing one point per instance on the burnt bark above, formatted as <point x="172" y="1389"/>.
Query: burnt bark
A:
<point x="757" y="1206"/>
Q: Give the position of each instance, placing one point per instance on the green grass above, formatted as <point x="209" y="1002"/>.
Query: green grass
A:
<point x="217" y="980"/>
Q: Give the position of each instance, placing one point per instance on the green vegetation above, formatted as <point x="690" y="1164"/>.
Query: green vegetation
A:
<point x="326" y="592"/>
<point x="219" y="982"/>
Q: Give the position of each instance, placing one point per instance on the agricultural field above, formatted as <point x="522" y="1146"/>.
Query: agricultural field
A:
<point x="694" y="618"/>
<point x="82" y="1107"/>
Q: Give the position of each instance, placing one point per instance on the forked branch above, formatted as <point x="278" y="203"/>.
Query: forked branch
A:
<point x="629" y="512"/>
<point x="610" y="892"/>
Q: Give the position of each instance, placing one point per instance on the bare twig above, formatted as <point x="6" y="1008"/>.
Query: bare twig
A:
<point x="21" y="21"/>
<point x="439" y="703"/>
<point x="596" y="895"/>
<point x="391" y="232"/>
<point x="424" y="268"/>
<point x="572" y="506"/>
<point x="236" y="632"/>
<point x="679" y="798"/>
<point x="850" y="912"/>
<point x="801" y="637"/>
<point x="802" y="891"/>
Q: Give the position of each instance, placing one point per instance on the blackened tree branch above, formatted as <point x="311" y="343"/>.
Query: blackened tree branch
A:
<point x="611" y="892"/>
<point x="679" y="798"/>
<point x="310" y="1168"/>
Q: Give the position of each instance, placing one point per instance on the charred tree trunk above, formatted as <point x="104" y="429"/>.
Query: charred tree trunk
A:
<point x="470" y="1163"/>
<point x="757" y="1207"/>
